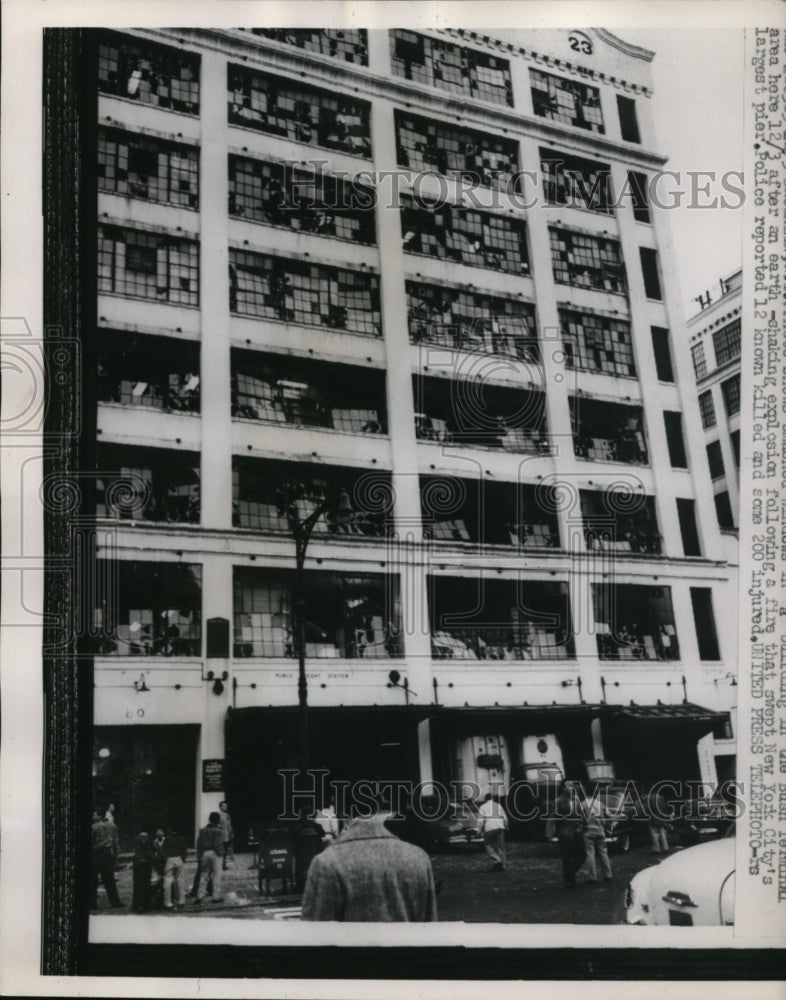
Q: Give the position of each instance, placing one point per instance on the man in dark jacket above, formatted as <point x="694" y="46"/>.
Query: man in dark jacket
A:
<point x="569" y="835"/>
<point x="368" y="874"/>
<point x="104" y="853"/>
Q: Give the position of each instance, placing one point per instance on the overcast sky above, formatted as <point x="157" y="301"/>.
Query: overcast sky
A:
<point x="698" y="108"/>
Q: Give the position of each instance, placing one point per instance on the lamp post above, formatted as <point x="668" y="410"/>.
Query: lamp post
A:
<point x="301" y="529"/>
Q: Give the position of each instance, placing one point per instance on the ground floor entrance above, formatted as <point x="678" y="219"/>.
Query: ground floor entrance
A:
<point x="149" y="775"/>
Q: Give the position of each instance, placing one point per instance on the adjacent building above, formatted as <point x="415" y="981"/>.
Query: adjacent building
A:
<point x="413" y="280"/>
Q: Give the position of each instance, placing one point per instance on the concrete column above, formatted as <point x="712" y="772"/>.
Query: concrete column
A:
<point x="214" y="297"/>
<point x="401" y="413"/>
<point x="685" y="625"/>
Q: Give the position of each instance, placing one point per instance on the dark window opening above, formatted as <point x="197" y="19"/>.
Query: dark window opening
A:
<point x="649" y="269"/>
<point x="629" y="125"/>
<point x="295" y="291"/>
<point x="661" y="345"/>
<point x="424" y="146"/>
<point x="566" y="101"/>
<point x="715" y="459"/>
<point x="271" y="496"/>
<point x="149" y="73"/>
<point x="735" y="443"/>
<point x="724" y="511"/>
<point x="686" y="512"/>
<point x="283" y="390"/>
<point x="638" y="185"/>
<point x="157" y="372"/>
<point x="469" y="510"/>
<point x="675" y="439"/>
<point x="730" y="390"/>
<point x="477" y="239"/>
<point x="706" y="634"/>
<point x="595" y="343"/>
<point x="587" y="261"/>
<point x="346" y="45"/>
<point x="147" y="484"/>
<point x="727" y="342"/>
<point x="618" y="522"/>
<point x="148" y="265"/>
<point x="345" y="616"/>
<point x="137" y="166"/>
<point x="479" y="415"/>
<point x="471" y="321"/>
<point x="576" y="183"/>
<point x="454" y="68"/>
<point x="299" y="112"/>
<point x="634" y="622"/>
<point x="608" y="432"/>
<point x="707" y="409"/>
<point x="156" y="610"/>
<point x="280" y="195"/>
<point x="489" y="619"/>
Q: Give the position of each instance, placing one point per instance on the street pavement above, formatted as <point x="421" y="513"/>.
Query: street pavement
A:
<point x="530" y="890"/>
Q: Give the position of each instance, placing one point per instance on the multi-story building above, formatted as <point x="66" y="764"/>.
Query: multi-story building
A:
<point x="478" y="374"/>
<point x="714" y="336"/>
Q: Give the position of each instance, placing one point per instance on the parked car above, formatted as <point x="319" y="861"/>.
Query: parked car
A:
<point x="457" y="825"/>
<point x="692" y="888"/>
<point x="533" y="789"/>
<point x="622" y="802"/>
<point x="698" y="820"/>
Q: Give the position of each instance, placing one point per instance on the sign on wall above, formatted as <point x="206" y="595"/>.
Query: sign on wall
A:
<point x="213" y="775"/>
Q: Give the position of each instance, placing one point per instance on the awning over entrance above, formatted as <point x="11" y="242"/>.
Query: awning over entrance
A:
<point x="497" y="715"/>
<point x="686" y="712"/>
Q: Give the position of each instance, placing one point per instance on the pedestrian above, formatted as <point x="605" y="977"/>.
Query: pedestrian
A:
<point x="159" y="864"/>
<point x="367" y="874"/>
<point x="495" y="823"/>
<point x="210" y="848"/>
<point x="570" y="835"/>
<point x="659" y="815"/>
<point x="326" y="817"/>
<point x="595" y="839"/>
<point x="105" y="843"/>
<point x="175" y="854"/>
<point x="227" y="834"/>
<point x="142" y="873"/>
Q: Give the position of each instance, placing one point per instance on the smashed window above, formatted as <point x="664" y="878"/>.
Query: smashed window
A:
<point x="471" y="321"/>
<point x="156" y="372"/>
<point x="607" y="432"/>
<point x="425" y="145"/>
<point x="299" y="112"/>
<point x="280" y="195"/>
<point x="346" y="44"/>
<point x="576" y="183"/>
<point x="149" y="73"/>
<point x="634" y="622"/>
<point x="585" y="261"/>
<point x="454" y="68"/>
<point x="137" y="166"/>
<point x="595" y="343"/>
<point x="567" y="101"/>
<point x="155" y="611"/>
<point x="478" y="239"/>
<point x="148" y="265"/>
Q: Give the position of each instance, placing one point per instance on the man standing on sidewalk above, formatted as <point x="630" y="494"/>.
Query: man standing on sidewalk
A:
<point x="210" y="848"/>
<point x="227" y="833"/>
<point x="104" y="854"/>
<point x="495" y="823"/>
<point x="595" y="839"/>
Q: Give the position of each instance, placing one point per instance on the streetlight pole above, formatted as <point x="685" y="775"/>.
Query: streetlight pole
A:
<point x="301" y="530"/>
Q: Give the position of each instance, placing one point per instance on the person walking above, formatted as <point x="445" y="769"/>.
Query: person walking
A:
<point x="570" y="835"/>
<point x="495" y="823"/>
<point x="210" y="848"/>
<point x="227" y="834"/>
<point x="175" y="855"/>
<point x="368" y="874"/>
<point x="105" y="843"/>
<point x="659" y="815"/>
<point x="595" y="839"/>
<point x="158" y="850"/>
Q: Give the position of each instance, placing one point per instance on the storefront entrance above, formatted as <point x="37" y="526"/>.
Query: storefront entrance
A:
<point x="149" y="774"/>
<point x="351" y="744"/>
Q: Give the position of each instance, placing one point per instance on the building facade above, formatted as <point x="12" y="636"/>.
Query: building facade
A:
<point x="714" y="335"/>
<point x="412" y="283"/>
